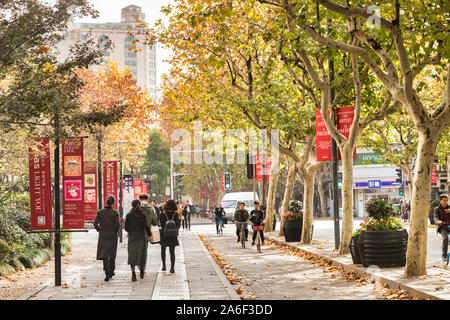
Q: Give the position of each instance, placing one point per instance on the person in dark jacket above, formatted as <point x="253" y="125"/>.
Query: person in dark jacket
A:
<point x="107" y="223"/>
<point x="241" y="215"/>
<point x="156" y="207"/>
<point x="169" y="213"/>
<point x="442" y="218"/>
<point x="257" y="217"/>
<point x="138" y="233"/>
<point x="188" y="211"/>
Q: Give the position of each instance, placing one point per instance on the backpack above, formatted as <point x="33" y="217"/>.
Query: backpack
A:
<point x="170" y="228"/>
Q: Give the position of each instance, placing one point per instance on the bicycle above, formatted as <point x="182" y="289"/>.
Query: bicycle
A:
<point x="258" y="237"/>
<point x="220" y="229"/>
<point x="242" y="232"/>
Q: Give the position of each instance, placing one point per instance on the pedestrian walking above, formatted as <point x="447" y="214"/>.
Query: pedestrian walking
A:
<point x="107" y="224"/>
<point x="170" y="224"/>
<point x="257" y="217"/>
<point x="148" y="210"/>
<point x="188" y="210"/>
<point x="156" y="207"/>
<point x="138" y="234"/>
<point x="442" y="218"/>
<point x="404" y="210"/>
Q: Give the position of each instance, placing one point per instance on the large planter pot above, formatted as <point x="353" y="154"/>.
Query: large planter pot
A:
<point x="354" y="250"/>
<point x="292" y="230"/>
<point x="383" y="248"/>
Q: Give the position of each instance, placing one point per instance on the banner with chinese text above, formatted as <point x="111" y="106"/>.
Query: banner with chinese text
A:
<point x="90" y="190"/>
<point x="72" y="173"/>
<point x="40" y="185"/>
<point x="110" y="181"/>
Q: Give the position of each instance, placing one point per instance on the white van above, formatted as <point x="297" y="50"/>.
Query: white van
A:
<point x="230" y="202"/>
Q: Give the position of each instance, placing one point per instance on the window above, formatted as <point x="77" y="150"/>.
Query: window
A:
<point x="129" y="39"/>
<point x="130" y="54"/>
<point x="130" y="63"/>
<point x="151" y="65"/>
<point x="103" y="41"/>
<point x="106" y="54"/>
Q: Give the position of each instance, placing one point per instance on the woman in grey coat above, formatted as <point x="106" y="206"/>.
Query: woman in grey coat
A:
<point x="138" y="234"/>
<point x="107" y="223"/>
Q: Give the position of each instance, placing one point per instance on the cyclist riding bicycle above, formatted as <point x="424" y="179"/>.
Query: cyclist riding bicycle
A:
<point x="241" y="215"/>
<point x="442" y="217"/>
<point x="218" y="216"/>
<point x="257" y="218"/>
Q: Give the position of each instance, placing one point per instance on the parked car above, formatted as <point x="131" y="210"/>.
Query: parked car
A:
<point x="230" y="202"/>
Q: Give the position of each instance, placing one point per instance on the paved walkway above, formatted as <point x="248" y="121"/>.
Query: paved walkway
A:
<point x="196" y="277"/>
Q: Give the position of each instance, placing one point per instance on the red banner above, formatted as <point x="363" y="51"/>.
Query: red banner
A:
<point x="433" y="176"/>
<point x="73" y="197"/>
<point x="40" y="185"/>
<point x="145" y="188"/>
<point x="138" y="188"/>
<point x="345" y="117"/>
<point x="263" y="169"/>
<point x="323" y="139"/>
<point x="110" y="181"/>
<point x="90" y="190"/>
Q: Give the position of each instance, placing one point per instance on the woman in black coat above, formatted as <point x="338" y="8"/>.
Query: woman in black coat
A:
<point x="169" y="213"/>
<point x="138" y="233"/>
<point x="107" y="223"/>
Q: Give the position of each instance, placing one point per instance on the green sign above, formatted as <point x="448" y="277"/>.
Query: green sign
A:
<point x="364" y="159"/>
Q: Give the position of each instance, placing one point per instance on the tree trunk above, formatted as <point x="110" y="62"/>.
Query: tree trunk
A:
<point x="347" y="199"/>
<point x="416" y="255"/>
<point x="273" y="181"/>
<point x="287" y="193"/>
<point x="321" y="191"/>
<point x="308" y="206"/>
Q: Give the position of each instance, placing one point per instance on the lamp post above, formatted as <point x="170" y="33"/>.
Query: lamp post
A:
<point x="118" y="143"/>
<point x="99" y="135"/>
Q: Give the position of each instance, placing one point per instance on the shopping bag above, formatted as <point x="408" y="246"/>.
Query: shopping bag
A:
<point x="155" y="237"/>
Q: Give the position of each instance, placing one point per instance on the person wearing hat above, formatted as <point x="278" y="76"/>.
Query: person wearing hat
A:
<point x="107" y="224"/>
<point x="257" y="218"/>
<point x="241" y="215"/>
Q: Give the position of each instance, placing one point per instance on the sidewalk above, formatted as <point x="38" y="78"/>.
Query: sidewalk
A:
<point x="196" y="277"/>
<point x="435" y="285"/>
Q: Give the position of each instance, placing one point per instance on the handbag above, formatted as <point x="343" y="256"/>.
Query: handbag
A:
<point x="155" y="237"/>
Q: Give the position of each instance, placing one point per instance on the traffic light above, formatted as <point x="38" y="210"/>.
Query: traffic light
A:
<point x="227" y="180"/>
<point x="399" y="176"/>
<point x="401" y="191"/>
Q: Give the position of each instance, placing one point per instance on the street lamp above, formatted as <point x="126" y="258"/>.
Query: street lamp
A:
<point x="99" y="135"/>
<point x="118" y="143"/>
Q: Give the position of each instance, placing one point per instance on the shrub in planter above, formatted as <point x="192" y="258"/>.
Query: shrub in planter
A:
<point x="354" y="247"/>
<point x="293" y="222"/>
<point x="382" y="240"/>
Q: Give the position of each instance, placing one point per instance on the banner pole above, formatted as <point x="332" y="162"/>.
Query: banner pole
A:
<point x="57" y="217"/>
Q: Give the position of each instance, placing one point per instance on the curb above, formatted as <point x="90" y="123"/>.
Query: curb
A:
<point x="391" y="283"/>
<point x="233" y="294"/>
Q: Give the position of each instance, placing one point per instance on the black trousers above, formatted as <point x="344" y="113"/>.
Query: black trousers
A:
<point x="109" y="265"/>
<point x="238" y="231"/>
<point x="172" y="255"/>
<point x="261" y="233"/>
<point x="187" y="222"/>
<point x="444" y="234"/>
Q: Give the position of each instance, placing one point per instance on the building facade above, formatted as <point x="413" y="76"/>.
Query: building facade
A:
<point x="142" y="63"/>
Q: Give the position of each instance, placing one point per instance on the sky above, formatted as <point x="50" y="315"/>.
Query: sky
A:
<point x="109" y="11"/>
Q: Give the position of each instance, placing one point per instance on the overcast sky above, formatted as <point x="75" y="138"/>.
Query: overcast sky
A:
<point x="110" y="10"/>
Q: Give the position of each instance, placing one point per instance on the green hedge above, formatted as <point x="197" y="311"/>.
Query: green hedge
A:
<point x="19" y="249"/>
